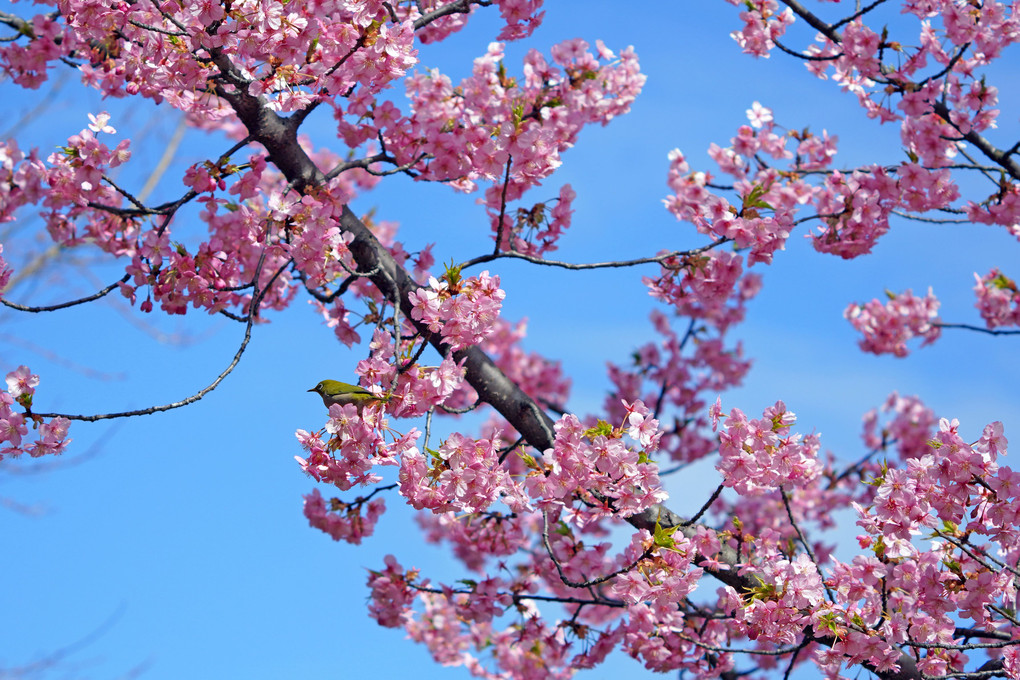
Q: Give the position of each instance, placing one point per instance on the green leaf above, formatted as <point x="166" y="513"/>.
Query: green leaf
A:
<point x="601" y="428"/>
<point x="827" y="621"/>
<point x="764" y="591"/>
<point x="1003" y="282"/>
<point x="663" y="538"/>
<point x="528" y="460"/>
<point x="517" y="113"/>
<point x="754" y="200"/>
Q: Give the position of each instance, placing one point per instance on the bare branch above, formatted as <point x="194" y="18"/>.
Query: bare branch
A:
<point x="980" y="329"/>
<point x="64" y="305"/>
<point x="591" y="265"/>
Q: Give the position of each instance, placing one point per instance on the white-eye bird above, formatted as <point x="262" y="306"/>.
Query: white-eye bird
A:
<point x="336" y="392"/>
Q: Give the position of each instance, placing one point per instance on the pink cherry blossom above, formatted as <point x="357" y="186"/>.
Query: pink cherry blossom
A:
<point x="761" y="454"/>
<point x="998" y="299"/>
<point x="888" y="327"/>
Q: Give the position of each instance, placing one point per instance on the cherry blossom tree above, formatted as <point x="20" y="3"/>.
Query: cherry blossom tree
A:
<point x="528" y="500"/>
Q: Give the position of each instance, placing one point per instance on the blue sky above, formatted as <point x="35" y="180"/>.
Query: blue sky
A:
<point x="178" y="538"/>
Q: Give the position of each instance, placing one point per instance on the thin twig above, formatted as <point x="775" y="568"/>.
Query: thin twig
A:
<point x="592" y="265"/>
<point x="559" y="568"/>
<point x="705" y="507"/>
<point x="803" y="542"/>
<point x="980" y="329"/>
<point x="70" y="303"/>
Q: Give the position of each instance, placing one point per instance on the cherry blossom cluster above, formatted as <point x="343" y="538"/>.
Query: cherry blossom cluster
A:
<point x="853" y="208"/>
<point x="355" y="446"/>
<point x="904" y="593"/>
<point x="663" y="581"/>
<point x="74" y="179"/>
<point x="597" y="466"/>
<point x="521" y="18"/>
<point x="391" y="593"/>
<point x="935" y="112"/>
<point x="713" y="287"/>
<point x="412" y="392"/>
<point x="267" y="229"/>
<point x="763" y="23"/>
<point x="218" y="274"/>
<point x="960" y="493"/>
<point x="6" y="271"/>
<point x="27" y="65"/>
<point x="343" y="521"/>
<point x="535" y="231"/>
<point x="338" y="318"/>
<point x="439" y="28"/>
<point x="757" y="455"/>
<point x="887" y="327"/>
<point x="81" y="205"/>
<point x="461" y="310"/>
<point x="998" y="299"/>
<point x="1002" y="208"/>
<point x="22" y="179"/>
<point x="51" y="435"/>
<point x="252" y="235"/>
<point x="938" y="486"/>
<point x="462" y="475"/>
<point x="459" y="625"/>
<point x="747" y="226"/>
<point x="855" y="211"/>
<point x="525" y="121"/>
<point x="910" y="427"/>
<point x="531" y="650"/>
<point x="292" y="55"/>
<point x="961" y="40"/>
<point x="294" y="60"/>
<point x="852" y="603"/>
<point x="791" y="591"/>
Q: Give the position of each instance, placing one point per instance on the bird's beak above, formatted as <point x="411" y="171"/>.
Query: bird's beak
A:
<point x="312" y="390"/>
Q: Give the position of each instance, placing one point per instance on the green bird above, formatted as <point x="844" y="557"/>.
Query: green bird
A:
<point x="336" y="392"/>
